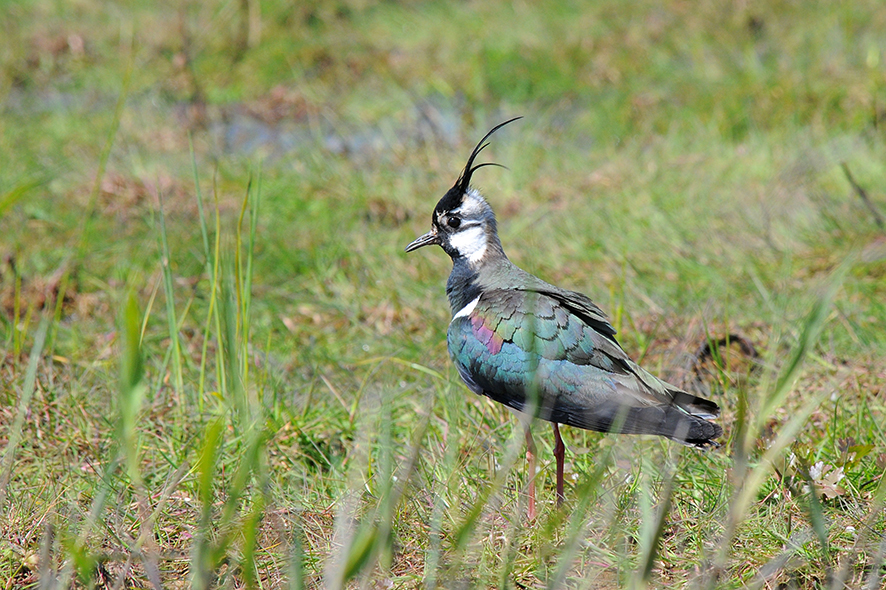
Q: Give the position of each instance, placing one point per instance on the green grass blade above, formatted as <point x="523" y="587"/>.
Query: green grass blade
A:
<point x="249" y="530"/>
<point x="132" y="386"/>
<point x="233" y="389"/>
<point x="814" y="511"/>
<point x="204" y="233"/>
<point x="14" y="435"/>
<point x="296" y="562"/>
<point x="202" y="557"/>
<point x="213" y="316"/>
<point x="651" y="540"/>
<point x="175" y="342"/>
<point x="16" y="193"/>
<point x="443" y="472"/>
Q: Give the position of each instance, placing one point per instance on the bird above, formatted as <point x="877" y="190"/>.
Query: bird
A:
<point x="541" y="349"/>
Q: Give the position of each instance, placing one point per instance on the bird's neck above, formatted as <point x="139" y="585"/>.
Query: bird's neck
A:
<point x="463" y="285"/>
<point x="469" y="277"/>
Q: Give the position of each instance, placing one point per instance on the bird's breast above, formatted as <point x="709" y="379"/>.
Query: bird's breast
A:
<point x="475" y="327"/>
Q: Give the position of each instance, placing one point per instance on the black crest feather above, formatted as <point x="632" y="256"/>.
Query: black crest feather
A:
<point x="453" y="196"/>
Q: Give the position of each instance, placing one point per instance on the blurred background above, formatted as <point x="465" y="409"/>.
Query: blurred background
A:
<point x="220" y="367"/>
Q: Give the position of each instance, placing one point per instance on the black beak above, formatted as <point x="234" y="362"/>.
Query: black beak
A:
<point x="425" y="240"/>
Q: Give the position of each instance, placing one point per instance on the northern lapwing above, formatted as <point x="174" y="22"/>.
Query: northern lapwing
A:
<point x="537" y="348"/>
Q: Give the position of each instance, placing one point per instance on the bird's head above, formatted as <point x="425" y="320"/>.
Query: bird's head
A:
<point x="463" y="223"/>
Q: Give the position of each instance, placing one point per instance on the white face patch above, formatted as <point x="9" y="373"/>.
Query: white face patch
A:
<point x="470" y="242"/>
<point x="467" y="309"/>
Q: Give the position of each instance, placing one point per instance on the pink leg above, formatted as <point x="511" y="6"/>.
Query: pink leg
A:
<point x="559" y="454"/>
<point x="530" y="456"/>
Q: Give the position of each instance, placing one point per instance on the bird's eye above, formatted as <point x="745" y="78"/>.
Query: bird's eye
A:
<point x="453" y="222"/>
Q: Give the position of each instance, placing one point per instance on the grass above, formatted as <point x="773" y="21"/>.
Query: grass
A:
<point x="221" y="370"/>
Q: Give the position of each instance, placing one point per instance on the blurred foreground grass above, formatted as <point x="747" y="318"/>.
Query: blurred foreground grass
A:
<point x="221" y="369"/>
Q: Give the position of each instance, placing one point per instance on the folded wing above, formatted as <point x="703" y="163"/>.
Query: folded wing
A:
<point x="553" y="353"/>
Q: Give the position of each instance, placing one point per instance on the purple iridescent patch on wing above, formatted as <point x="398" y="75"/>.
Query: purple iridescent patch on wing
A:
<point x="485" y="334"/>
